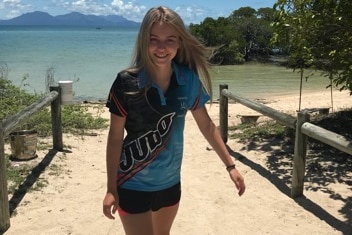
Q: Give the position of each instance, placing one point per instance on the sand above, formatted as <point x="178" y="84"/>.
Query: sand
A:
<point x="71" y="203"/>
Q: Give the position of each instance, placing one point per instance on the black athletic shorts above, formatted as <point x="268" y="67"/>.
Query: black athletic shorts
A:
<point x="135" y="202"/>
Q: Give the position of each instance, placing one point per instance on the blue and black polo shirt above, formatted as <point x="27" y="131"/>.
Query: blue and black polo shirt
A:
<point x="153" y="147"/>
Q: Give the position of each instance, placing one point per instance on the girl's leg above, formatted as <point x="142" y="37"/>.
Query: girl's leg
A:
<point x="137" y="224"/>
<point x="163" y="219"/>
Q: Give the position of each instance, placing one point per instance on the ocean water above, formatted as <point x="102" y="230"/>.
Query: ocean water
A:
<point x="88" y="56"/>
<point x="92" y="57"/>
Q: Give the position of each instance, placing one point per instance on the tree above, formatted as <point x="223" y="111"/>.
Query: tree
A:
<point x="335" y="31"/>
<point x="242" y="35"/>
<point x="266" y="14"/>
<point x="218" y="34"/>
<point x="255" y="33"/>
<point x="242" y="13"/>
<point x="317" y="33"/>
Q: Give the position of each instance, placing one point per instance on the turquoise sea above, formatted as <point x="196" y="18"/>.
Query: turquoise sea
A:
<point x="91" y="57"/>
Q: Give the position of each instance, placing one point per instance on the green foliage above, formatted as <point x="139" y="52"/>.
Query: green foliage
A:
<point x="319" y="34"/>
<point x="293" y="31"/>
<point x="75" y="118"/>
<point x="243" y="35"/>
<point x="255" y="132"/>
<point x="41" y="122"/>
<point x="13" y="99"/>
<point x="254" y="31"/>
<point x="16" y="174"/>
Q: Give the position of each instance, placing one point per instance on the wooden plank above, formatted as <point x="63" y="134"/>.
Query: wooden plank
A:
<point x="321" y="111"/>
<point x="223" y="115"/>
<point x="335" y="140"/>
<point x="249" y="118"/>
<point x="283" y="118"/>
<point x="56" y="120"/>
<point x="10" y="123"/>
<point x="299" y="158"/>
<point x="4" y="200"/>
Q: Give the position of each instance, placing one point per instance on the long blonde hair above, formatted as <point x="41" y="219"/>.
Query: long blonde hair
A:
<point x="191" y="52"/>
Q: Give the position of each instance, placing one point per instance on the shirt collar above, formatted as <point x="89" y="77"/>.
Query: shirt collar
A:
<point x="144" y="80"/>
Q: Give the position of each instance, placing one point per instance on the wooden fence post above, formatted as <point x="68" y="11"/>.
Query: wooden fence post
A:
<point x="299" y="159"/>
<point x="4" y="200"/>
<point x="56" y="120"/>
<point x="223" y="115"/>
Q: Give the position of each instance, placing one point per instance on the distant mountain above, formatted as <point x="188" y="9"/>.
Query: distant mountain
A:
<point x="73" y="18"/>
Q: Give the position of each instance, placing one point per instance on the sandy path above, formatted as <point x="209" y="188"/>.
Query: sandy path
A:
<point x="71" y="203"/>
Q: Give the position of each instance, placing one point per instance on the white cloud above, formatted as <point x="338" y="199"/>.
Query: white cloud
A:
<point x="117" y="3"/>
<point x="12" y="2"/>
<point x="14" y="8"/>
<point x="84" y="6"/>
<point x="126" y="9"/>
<point x="129" y="9"/>
<point x="191" y="13"/>
<point x="13" y="13"/>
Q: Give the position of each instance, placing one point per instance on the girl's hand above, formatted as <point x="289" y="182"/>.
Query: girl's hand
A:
<point x="110" y="205"/>
<point x="237" y="178"/>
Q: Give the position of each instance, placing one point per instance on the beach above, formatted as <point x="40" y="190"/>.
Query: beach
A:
<point x="71" y="203"/>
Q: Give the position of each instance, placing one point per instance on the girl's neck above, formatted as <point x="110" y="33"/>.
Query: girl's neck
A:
<point x="161" y="73"/>
<point x="162" y="77"/>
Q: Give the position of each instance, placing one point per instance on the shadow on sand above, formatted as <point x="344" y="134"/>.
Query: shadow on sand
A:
<point x="19" y="194"/>
<point x="323" y="167"/>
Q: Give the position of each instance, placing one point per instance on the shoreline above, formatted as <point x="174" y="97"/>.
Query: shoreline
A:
<point x="265" y="97"/>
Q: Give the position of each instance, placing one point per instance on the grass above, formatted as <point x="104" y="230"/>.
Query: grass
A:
<point x="16" y="174"/>
<point x="267" y="130"/>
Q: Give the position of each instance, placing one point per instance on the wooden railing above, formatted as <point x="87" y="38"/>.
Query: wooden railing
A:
<point x="300" y="124"/>
<point x="9" y="124"/>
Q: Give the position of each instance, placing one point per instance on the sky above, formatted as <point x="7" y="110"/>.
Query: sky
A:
<point x="192" y="11"/>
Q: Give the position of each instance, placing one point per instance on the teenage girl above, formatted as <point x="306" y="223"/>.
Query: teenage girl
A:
<point x="168" y="76"/>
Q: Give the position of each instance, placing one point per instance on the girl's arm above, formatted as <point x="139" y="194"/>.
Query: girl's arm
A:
<point x="113" y="152"/>
<point x="212" y="135"/>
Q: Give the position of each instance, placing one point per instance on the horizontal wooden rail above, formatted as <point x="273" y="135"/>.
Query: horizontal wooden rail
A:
<point x="283" y="118"/>
<point x="10" y="123"/>
<point x="335" y="140"/>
